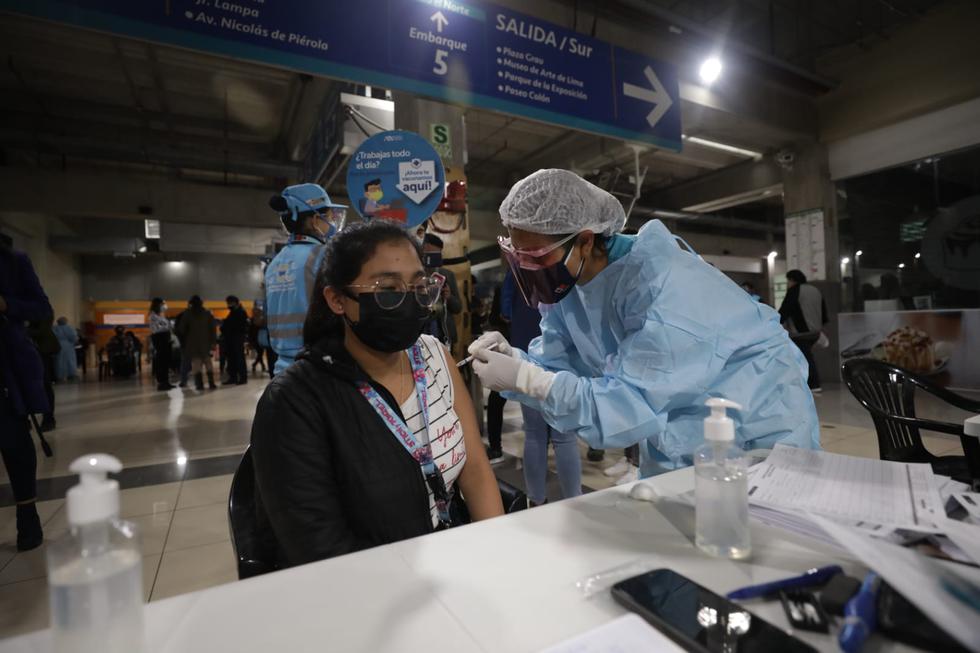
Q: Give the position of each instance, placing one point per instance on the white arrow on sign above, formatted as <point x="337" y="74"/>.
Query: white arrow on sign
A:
<point x="657" y="95"/>
<point x="439" y="20"/>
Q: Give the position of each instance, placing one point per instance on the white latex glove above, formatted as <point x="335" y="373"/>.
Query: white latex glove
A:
<point x="492" y="338"/>
<point x="506" y="374"/>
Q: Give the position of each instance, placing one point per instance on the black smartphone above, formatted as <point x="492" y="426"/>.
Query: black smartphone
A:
<point x="698" y="619"/>
<point x="903" y="622"/>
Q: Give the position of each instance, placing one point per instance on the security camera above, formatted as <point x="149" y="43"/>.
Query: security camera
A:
<point x="785" y="158"/>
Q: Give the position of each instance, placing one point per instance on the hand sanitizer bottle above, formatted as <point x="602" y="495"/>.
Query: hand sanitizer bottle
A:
<point x="95" y="573"/>
<point x="721" y="487"/>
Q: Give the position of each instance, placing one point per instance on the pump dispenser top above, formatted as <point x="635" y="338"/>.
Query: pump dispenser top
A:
<point x="96" y="497"/>
<point x="719" y="427"/>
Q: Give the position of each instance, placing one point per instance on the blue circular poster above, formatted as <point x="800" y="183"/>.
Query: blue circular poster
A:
<point x="396" y="175"/>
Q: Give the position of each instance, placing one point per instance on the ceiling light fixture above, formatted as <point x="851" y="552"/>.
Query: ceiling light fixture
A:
<point x="859" y="252"/>
<point x="918" y="255"/>
<point x="845" y="261"/>
<point x="710" y="70"/>
<point x="724" y="147"/>
<point x="901" y="266"/>
<point x="773" y="254"/>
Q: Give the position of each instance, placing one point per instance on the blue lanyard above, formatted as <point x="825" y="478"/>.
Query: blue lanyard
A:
<point x="419" y="448"/>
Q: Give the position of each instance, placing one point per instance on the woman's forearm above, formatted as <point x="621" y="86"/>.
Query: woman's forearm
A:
<point x="481" y="492"/>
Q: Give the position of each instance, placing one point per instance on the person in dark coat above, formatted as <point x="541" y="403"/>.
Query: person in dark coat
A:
<point x="42" y="333"/>
<point x="196" y="329"/>
<point x="234" y="330"/>
<point x="121" y="357"/>
<point x="22" y="388"/>
<point x="443" y="324"/>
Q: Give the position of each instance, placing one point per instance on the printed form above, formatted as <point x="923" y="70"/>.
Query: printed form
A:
<point x="902" y="495"/>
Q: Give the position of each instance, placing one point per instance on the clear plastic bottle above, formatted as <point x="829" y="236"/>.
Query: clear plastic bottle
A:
<point x="721" y="488"/>
<point x="95" y="575"/>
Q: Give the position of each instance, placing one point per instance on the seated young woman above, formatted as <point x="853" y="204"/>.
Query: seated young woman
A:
<point x="345" y="457"/>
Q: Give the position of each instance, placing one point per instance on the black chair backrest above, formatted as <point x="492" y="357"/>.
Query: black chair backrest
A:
<point x="887" y="391"/>
<point x="254" y="553"/>
<point x="514" y="499"/>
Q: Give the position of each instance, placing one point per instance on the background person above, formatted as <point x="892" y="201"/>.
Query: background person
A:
<point x="137" y="348"/>
<point x="750" y="289"/>
<point x="160" y="335"/>
<point x="66" y="363"/>
<point x="121" y="355"/>
<point x="525" y="326"/>
<point x="42" y="333"/>
<point x="333" y="475"/>
<point x="626" y="354"/>
<point x="199" y="340"/>
<point x="496" y="401"/>
<point x="443" y="323"/>
<point x="234" y="329"/>
<point x="804" y="313"/>
<point x="311" y="219"/>
<point x="185" y="361"/>
<point x="257" y="347"/>
<point x="22" y="385"/>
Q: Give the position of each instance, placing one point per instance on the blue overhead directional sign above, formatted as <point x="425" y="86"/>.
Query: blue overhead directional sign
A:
<point x="471" y="53"/>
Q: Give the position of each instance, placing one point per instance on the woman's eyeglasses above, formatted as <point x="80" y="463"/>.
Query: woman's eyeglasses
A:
<point x="390" y="292"/>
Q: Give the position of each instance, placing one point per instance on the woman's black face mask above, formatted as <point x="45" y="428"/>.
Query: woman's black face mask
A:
<point x="389" y="329"/>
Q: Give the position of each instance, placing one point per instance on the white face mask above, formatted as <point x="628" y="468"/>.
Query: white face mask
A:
<point x="163" y="308"/>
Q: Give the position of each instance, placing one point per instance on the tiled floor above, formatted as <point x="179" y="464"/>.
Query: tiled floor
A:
<point x="185" y="539"/>
<point x="179" y="448"/>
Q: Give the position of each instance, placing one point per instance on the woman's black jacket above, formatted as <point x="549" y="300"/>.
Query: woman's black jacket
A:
<point x="330" y="477"/>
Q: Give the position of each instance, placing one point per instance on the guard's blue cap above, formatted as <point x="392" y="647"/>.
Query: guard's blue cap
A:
<point x="300" y="199"/>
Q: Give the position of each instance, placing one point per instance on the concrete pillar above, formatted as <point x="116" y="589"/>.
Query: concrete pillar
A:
<point x="807" y="186"/>
<point x="429" y="118"/>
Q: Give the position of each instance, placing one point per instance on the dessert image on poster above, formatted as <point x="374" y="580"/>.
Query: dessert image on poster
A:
<point x="943" y="345"/>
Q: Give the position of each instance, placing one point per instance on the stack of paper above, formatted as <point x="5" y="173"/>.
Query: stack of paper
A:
<point x="848" y="488"/>
<point x="946" y="594"/>
<point x="867" y="507"/>
<point x="898" y="502"/>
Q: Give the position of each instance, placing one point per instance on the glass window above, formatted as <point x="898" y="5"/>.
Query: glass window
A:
<point x="910" y="236"/>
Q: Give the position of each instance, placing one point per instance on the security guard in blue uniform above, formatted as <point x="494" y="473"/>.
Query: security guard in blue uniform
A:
<point x="311" y="219"/>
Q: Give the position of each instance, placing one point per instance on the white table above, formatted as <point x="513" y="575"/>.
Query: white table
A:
<point x="507" y="584"/>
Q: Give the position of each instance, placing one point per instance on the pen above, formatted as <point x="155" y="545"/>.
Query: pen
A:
<point x="860" y="616"/>
<point x="469" y="359"/>
<point x="816" y="576"/>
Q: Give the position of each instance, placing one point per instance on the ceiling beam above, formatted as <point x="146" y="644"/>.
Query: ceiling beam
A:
<point x="119" y="195"/>
<point x="133" y="90"/>
<point x="163" y="154"/>
<point x="158" y="86"/>
<point x="718" y="185"/>
<point x="77" y="111"/>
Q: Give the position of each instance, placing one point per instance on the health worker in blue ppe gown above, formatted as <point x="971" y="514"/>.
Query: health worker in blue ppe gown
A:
<point x="311" y="219"/>
<point x="637" y="332"/>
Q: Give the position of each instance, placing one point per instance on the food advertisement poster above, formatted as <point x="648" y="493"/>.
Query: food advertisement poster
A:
<point x="942" y="346"/>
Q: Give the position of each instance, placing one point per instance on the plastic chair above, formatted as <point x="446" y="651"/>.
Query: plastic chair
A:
<point x="254" y="553"/>
<point x="254" y="547"/>
<point x="888" y="393"/>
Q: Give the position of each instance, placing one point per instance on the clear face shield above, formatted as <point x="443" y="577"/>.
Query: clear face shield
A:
<point x="335" y="217"/>
<point x="540" y="282"/>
